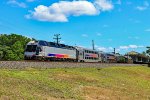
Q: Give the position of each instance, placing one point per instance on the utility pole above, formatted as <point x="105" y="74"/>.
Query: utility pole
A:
<point x="57" y="38"/>
<point x="114" y="50"/>
<point x="93" y="45"/>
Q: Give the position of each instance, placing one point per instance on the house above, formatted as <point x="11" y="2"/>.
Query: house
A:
<point x="138" y="57"/>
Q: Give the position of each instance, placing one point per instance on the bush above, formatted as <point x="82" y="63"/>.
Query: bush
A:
<point x="12" y="46"/>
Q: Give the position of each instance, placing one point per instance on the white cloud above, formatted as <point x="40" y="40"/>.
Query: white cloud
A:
<point x="110" y="40"/>
<point x="105" y="26"/>
<point x="141" y="8"/>
<point x="16" y="3"/>
<point x="136" y="37"/>
<point x="98" y="34"/>
<point x="131" y="47"/>
<point x="123" y="47"/>
<point x="60" y="11"/>
<point x="62" y="42"/>
<point x="144" y="7"/>
<point x="84" y="35"/>
<point x="147" y="30"/>
<point x="110" y="48"/>
<point x="102" y="48"/>
<point x="118" y="49"/>
<point x="103" y="5"/>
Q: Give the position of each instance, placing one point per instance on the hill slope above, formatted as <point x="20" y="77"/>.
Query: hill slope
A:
<point x="76" y="83"/>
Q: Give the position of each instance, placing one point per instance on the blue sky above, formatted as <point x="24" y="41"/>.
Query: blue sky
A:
<point x="120" y="24"/>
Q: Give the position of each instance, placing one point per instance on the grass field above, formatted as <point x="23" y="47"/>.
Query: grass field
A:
<point x="113" y="83"/>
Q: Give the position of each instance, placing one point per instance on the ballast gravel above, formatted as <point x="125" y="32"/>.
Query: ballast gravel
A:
<point x="49" y="64"/>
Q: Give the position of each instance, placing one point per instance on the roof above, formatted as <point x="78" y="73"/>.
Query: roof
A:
<point x="133" y="53"/>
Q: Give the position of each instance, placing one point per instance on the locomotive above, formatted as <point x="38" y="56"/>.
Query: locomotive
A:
<point x="43" y="50"/>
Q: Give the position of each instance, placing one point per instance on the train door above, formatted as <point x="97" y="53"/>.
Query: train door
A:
<point x="38" y="50"/>
<point x="81" y="56"/>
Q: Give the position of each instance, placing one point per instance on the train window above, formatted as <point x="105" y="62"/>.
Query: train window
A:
<point x="43" y="43"/>
<point x="52" y="44"/>
<point x="31" y="48"/>
<point x="81" y="54"/>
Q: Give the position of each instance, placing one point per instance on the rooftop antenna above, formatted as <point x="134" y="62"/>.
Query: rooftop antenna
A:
<point x="93" y="45"/>
<point x="57" y="38"/>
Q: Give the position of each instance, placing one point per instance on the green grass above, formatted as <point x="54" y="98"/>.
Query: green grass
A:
<point x="114" y="83"/>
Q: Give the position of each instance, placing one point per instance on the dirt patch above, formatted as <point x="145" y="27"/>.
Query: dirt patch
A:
<point x="98" y="93"/>
<point x="72" y="78"/>
<point x="3" y="97"/>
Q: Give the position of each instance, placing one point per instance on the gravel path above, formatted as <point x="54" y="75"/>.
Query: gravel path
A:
<point x="24" y="64"/>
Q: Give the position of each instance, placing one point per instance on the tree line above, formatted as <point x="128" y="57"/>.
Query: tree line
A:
<point x="12" y="46"/>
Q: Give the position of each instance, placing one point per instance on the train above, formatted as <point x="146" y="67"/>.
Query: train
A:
<point x="43" y="50"/>
<point x="51" y="51"/>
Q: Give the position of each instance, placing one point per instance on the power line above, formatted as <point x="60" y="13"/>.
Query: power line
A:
<point x="114" y="50"/>
<point x="93" y="45"/>
<point x="57" y="38"/>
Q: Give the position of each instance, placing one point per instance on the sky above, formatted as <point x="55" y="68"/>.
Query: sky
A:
<point x="120" y="24"/>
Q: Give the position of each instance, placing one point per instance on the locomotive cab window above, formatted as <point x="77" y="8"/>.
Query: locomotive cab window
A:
<point x="31" y="48"/>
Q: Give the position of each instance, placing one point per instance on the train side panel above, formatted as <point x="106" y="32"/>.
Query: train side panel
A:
<point x="59" y="53"/>
<point x="87" y="55"/>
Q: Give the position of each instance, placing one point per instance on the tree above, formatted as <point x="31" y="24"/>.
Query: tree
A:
<point x="144" y="53"/>
<point x="148" y="50"/>
<point x="12" y="46"/>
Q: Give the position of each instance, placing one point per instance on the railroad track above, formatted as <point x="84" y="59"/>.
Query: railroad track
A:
<point x="52" y="64"/>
